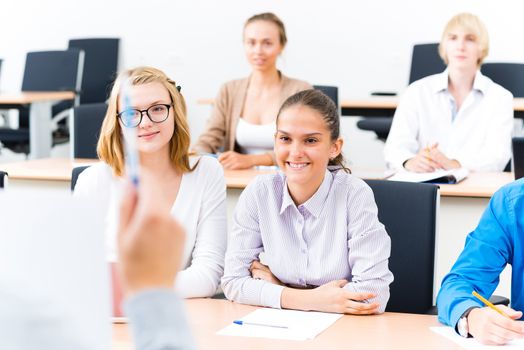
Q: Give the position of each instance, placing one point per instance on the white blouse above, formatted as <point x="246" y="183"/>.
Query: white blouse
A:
<point x="200" y="207"/>
<point x="255" y="138"/>
<point x="478" y="135"/>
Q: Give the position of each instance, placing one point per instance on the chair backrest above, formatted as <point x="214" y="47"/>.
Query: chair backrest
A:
<point x="3" y="179"/>
<point x="409" y="213"/>
<point x="425" y="61"/>
<point x="518" y="157"/>
<point x="508" y="75"/>
<point x="100" y="67"/>
<point x="85" y="125"/>
<point x="330" y="91"/>
<point x="75" y="173"/>
<point x="53" y="71"/>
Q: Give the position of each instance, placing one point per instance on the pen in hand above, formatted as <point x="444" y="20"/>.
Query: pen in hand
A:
<point x="240" y="322"/>
<point x="489" y="304"/>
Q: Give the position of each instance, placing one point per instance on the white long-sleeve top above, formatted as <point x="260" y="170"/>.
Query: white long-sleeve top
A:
<point x="200" y="207"/>
<point x="334" y="235"/>
<point x="478" y="135"/>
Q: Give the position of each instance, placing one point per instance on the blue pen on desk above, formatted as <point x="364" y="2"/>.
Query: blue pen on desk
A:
<point x="130" y="134"/>
<point x="240" y="322"/>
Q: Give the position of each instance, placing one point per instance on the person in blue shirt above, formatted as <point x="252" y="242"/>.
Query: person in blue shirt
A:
<point x="498" y="240"/>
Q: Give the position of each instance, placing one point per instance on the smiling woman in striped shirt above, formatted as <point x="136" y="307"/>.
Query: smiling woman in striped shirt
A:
<point x="308" y="238"/>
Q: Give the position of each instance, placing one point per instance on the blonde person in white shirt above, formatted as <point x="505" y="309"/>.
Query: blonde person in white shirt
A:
<point x="458" y="118"/>
<point x="194" y="187"/>
<point x="308" y="238"/>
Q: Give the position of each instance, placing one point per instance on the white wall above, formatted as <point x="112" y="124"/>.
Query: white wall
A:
<point x="361" y="46"/>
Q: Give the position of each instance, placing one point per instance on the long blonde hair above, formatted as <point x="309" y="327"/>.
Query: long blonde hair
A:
<point x="110" y="144"/>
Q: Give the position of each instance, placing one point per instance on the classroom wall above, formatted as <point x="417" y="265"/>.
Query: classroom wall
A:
<point x="361" y="46"/>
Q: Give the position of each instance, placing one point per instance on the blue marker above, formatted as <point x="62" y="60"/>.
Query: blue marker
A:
<point x="240" y="322"/>
<point x="130" y="135"/>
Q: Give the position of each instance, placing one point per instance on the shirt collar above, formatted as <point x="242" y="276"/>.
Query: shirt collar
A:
<point x="314" y="204"/>
<point x="441" y="82"/>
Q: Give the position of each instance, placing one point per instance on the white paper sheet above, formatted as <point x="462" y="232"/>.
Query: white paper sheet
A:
<point x="472" y="343"/>
<point x="301" y="325"/>
<point x="409" y="176"/>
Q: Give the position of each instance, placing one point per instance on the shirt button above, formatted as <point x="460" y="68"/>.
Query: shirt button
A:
<point x="303" y="251"/>
<point x="301" y="281"/>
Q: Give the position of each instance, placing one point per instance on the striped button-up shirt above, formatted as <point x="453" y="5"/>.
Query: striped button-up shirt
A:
<point x="333" y="235"/>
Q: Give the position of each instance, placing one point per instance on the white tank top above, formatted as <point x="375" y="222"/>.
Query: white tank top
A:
<point x="255" y="138"/>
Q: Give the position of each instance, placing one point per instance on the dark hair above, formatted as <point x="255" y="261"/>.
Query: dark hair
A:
<point x="320" y="102"/>
<point x="270" y="17"/>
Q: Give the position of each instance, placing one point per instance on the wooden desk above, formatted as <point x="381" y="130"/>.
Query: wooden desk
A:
<point x="43" y="174"/>
<point x="380" y="106"/>
<point x="460" y="209"/>
<point x="386" y="331"/>
<point x="40" y="113"/>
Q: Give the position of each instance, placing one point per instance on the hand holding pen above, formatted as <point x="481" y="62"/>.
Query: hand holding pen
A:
<point x="495" y="325"/>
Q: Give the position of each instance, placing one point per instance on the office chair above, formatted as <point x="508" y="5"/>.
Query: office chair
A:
<point x="330" y="91"/>
<point x="44" y="71"/>
<point x="409" y="213"/>
<point x="3" y="179"/>
<point x="508" y="75"/>
<point x="86" y="122"/>
<point x="100" y="68"/>
<point x="511" y="77"/>
<point x="74" y="175"/>
<point x="425" y="61"/>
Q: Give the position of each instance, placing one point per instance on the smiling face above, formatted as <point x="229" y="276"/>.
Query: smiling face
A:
<point x="152" y="137"/>
<point x="262" y="44"/>
<point x="462" y="49"/>
<point x="303" y="147"/>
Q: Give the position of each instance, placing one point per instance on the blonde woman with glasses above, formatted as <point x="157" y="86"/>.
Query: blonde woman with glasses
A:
<point x="193" y="186"/>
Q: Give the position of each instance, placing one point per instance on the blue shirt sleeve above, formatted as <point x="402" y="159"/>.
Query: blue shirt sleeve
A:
<point x="487" y="251"/>
<point x="158" y="322"/>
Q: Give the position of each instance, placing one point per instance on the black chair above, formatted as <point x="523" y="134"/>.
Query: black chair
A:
<point x="517" y="146"/>
<point x="425" y="61"/>
<point x="3" y="179"/>
<point x="100" y="67"/>
<point x="330" y="91"/>
<point x="511" y="77"/>
<point x="74" y="175"/>
<point x="409" y="213"/>
<point x="44" y="71"/>
<point x="86" y="122"/>
<point x="508" y="75"/>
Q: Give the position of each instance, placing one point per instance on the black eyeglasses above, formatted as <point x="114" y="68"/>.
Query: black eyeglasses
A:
<point x="131" y="118"/>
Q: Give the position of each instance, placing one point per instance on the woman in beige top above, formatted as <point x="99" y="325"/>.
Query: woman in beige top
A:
<point x="253" y="101"/>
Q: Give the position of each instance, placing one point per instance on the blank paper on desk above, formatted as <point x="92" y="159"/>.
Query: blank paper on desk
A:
<point x="472" y="343"/>
<point x="301" y="325"/>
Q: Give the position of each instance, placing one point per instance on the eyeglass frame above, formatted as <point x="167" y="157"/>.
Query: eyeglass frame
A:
<point x="142" y="111"/>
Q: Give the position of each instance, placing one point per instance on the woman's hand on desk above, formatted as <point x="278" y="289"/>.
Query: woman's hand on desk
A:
<point x="234" y="160"/>
<point x="491" y="328"/>
<point x="262" y="272"/>
<point x="329" y="297"/>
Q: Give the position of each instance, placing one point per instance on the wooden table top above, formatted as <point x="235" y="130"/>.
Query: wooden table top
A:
<point x="381" y="102"/>
<point x="386" y="331"/>
<point x="59" y="169"/>
<point x="30" y="97"/>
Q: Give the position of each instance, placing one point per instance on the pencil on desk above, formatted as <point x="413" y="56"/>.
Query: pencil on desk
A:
<point x="489" y="304"/>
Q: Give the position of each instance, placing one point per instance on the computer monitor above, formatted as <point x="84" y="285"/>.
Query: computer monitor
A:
<point x="518" y="157"/>
<point x="54" y="279"/>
